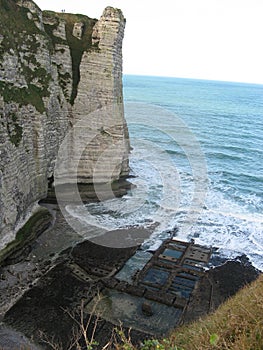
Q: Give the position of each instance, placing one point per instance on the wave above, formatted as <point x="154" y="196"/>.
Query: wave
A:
<point x="246" y="178"/>
<point x="224" y="156"/>
<point x="222" y="222"/>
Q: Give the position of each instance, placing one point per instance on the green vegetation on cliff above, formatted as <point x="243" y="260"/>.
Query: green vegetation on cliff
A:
<point x="36" y="224"/>
<point x="31" y="94"/>
<point x="21" y="37"/>
<point x="20" y="41"/>
<point x="77" y="45"/>
<point x="14" y="21"/>
<point x="15" y="131"/>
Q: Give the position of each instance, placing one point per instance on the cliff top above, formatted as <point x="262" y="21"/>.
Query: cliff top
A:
<point x="78" y="37"/>
<point x="26" y="19"/>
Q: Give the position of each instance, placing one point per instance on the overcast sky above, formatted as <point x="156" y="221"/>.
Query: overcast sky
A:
<point x="207" y="39"/>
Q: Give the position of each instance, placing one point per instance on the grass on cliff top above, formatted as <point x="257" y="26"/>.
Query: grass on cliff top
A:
<point x="236" y="325"/>
<point x="14" y="17"/>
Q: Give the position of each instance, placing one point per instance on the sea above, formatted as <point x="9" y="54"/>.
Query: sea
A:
<point x="196" y="163"/>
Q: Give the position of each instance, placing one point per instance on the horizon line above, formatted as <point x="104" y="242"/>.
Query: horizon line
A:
<point x="190" y="78"/>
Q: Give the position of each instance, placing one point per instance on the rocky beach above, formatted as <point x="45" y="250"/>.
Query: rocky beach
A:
<point x="59" y="270"/>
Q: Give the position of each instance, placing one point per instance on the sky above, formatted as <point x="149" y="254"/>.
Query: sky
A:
<point x="202" y="39"/>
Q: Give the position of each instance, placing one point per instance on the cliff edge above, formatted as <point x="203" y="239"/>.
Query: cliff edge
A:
<point x="58" y="71"/>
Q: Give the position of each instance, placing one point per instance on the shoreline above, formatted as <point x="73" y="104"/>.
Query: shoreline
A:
<point x="46" y="252"/>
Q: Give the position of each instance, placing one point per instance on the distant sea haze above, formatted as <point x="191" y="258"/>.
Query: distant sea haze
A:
<point x="223" y="123"/>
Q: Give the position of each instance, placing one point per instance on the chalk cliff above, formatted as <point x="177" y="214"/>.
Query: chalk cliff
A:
<point x="57" y="72"/>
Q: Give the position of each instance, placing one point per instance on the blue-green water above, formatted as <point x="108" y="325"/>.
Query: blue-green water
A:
<point x="198" y="148"/>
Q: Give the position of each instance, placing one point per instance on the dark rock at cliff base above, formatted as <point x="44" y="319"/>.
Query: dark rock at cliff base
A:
<point x="230" y="277"/>
<point x="50" y="309"/>
<point x="218" y="284"/>
<point x="91" y="255"/>
<point x="84" y="278"/>
<point x="88" y="192"/>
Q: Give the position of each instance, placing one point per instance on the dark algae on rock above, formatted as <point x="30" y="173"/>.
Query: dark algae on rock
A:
<point x="16" y="249"/>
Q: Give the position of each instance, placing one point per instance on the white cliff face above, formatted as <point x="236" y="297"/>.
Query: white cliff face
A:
<point x="42" y="98"/>
<point x="78" y="30"/>
<point x="98" y="114"/>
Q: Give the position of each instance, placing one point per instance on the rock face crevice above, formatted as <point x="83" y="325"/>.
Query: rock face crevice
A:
<point x="56" y="70"/>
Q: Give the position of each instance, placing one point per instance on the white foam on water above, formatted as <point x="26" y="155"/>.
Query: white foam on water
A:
<point x="231" y="223"/>
<point x="230" y="227"/>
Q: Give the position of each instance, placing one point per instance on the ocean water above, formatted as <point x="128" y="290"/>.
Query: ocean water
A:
<point x="197" y="161"/>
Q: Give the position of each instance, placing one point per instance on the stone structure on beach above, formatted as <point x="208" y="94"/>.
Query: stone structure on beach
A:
<point x="59" y="74"/>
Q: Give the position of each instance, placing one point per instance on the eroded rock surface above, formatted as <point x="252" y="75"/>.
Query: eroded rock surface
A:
<point x="51" y="80"/>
